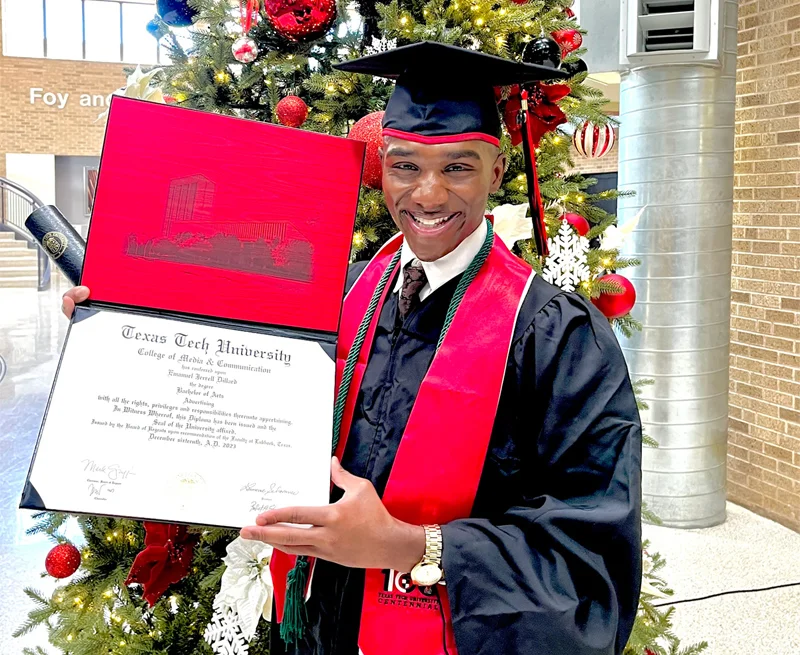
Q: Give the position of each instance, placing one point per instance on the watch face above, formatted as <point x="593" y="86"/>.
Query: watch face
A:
<point x="426" y="575"/>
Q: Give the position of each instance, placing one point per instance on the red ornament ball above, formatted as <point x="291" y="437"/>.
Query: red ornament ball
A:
<point x="569" y="40"/>
<point x="370" y="129"/>
<point x="616" y="305"/>
<point x="244" y="50"/>
<point x="301" y="20"/>
<point x="291" y="111"/>
<point x="62" y="561"/>
<point x="577" y="221"/>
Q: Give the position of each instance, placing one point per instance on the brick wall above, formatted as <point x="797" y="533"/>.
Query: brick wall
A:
<point x="607" y="164"/>
<point x="39" y="129"/>
<point x="764" y="439"/>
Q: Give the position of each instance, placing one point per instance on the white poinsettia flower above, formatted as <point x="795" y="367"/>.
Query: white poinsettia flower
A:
<point x="247" y="583"/>
<point x="647" y="568"/>
<point x="614" y="236"/>
<point x="512" y="223"/>
<point x="650" y="589"/>
<point x="138" y="86"/>
<point x="647" y="564"/>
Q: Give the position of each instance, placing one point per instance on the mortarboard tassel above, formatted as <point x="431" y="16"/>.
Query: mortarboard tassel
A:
<point x="534" y="195"/>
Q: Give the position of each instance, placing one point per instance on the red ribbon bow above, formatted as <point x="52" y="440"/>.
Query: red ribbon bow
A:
<point x="164" y="561"/>
<point x="544" y="115"/>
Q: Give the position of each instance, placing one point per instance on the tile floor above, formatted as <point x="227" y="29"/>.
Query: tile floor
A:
<point x="746" y="551"/>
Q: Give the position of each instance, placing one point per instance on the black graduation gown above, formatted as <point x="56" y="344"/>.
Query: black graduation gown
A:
<point x="549" y="563"/>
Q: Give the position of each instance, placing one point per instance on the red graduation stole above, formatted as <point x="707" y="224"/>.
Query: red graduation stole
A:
<point x="438" y="465"/>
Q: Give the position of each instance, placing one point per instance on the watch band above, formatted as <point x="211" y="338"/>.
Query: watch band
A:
<point x="433" y="544"/>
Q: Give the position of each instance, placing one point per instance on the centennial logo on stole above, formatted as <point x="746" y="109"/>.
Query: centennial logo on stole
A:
<point x="399" y="591"/>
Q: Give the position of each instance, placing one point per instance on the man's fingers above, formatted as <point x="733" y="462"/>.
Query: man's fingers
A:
<point x="72" y="298"/>
<point x="298" y="515"/>
<point x="343" y="479"/>
<point x="282" y="536"/>
<point x="307" y="551"/>
<point x="78" y="294"/>
<point x="67" y="306"/>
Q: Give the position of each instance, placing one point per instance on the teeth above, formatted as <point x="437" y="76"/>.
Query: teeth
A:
<point x="428" y="222"/>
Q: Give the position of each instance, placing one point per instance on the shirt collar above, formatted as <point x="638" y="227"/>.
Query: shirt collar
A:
<point x="444" y="269"/>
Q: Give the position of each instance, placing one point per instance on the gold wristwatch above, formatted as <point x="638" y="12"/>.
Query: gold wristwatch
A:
<point x="428" y="571"/>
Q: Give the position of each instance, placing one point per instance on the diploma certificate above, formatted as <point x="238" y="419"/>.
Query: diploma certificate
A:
<point x="186" y="422"/>
<point x="196" y="384"/>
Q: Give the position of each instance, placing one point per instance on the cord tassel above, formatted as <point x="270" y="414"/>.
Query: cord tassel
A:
<point x="295" y="617"/>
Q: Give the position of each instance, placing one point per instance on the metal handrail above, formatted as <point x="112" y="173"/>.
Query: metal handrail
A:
<point x="7" y="187"/>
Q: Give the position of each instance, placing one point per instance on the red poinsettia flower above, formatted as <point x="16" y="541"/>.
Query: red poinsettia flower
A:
<point x="510" y="111"/>
<point x="544" y="113"/>
<point x="164" y="561"/>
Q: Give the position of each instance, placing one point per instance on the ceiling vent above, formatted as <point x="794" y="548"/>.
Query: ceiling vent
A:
<point x="667" y="31"/>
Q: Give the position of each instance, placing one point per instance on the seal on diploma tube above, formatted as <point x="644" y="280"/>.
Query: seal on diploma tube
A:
<point x="58" y="239"/>
<point x="55" y="244"/>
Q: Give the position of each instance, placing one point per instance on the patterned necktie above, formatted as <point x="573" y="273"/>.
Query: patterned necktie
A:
<point x="414" y="279"/>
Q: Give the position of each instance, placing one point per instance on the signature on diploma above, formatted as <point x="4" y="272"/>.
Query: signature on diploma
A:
<point x="273" y="488"/>
<point x="96" y="489"/>
<point x="262" y="507"/>
<point x="113" y="472"/>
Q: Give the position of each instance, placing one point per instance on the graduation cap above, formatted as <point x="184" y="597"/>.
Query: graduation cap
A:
<point x="445" y="94"/>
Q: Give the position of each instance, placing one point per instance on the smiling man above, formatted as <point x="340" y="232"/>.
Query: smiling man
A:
<point x="488" y="496"/>
<point x="435" y="218"/>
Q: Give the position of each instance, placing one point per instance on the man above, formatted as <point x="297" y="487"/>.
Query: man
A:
<point x="485" y="404"/>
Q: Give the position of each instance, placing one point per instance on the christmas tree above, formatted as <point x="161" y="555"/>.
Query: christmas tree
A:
<point x="151" y="589"/>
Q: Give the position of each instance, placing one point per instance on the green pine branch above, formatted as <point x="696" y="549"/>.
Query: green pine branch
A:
<point x="627" y="325"/>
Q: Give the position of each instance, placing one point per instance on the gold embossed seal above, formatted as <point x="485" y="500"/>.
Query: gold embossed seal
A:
<point x="55" y="244"/>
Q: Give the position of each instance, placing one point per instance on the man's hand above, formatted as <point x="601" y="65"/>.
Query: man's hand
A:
<point x="357" y="531"/>
<point x="72" y="298"/>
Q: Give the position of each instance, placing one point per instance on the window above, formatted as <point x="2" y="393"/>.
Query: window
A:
<point x="101" y="25"/>
<point x="137" y="44"/>
<point x="96" y="30"/>
<point x="64" y="29"/>
<point x="19" y="16"/>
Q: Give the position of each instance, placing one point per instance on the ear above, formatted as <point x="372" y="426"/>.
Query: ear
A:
<point x="498" y="170"/>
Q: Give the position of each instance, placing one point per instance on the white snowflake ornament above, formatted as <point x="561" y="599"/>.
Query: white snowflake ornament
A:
<point x="380" y="45"/>
<point x="224" y="633"/>
<point x="566" y="265"/>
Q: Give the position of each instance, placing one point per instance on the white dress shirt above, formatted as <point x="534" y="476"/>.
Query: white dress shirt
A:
<point x="444" y="269"/>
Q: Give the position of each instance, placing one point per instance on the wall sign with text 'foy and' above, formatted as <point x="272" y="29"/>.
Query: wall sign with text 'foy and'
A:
<point x="59" y="100"/>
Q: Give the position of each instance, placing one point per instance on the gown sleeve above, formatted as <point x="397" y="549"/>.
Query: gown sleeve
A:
<point x="559" y="571"/>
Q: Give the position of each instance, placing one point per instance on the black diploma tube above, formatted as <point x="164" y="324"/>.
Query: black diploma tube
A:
<point x="59" y="240"/>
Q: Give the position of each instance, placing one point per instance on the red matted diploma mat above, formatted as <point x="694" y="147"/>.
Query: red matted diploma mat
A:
<point x="197" y="383"/>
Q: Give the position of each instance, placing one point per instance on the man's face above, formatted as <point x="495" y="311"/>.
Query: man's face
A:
<point x="436" y="193"/>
